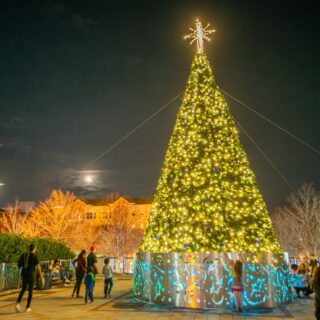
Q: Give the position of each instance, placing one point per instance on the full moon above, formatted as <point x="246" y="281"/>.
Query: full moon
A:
<point x="88" y="179"/>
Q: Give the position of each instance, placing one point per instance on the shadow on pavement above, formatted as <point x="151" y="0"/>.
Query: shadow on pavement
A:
<point x="127" y="303"/>
<point x="6" y="313"/>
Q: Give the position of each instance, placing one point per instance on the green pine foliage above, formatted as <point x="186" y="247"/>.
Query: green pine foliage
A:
<point x="207" y="198"/>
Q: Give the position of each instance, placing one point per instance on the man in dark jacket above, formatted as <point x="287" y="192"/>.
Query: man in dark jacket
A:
<point x="316" y="287"/>
<point x="29" y="265"/>
<point x="92" y="260"/>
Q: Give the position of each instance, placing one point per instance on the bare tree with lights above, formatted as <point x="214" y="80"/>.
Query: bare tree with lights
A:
<point x="120" y="237"/>
<point x="13" y="220"/>
<point x="61" y="217"/>
<point x="298" y="223"/>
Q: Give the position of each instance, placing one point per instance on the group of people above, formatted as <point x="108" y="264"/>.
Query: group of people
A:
<point x="86" y="270"/>
<point x="55" y="269"/>
<point x="306" y="280"/>
<point x="305" y="277"/>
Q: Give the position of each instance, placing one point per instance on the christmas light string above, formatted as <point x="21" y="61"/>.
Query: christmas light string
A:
<point x="207" y="198"/>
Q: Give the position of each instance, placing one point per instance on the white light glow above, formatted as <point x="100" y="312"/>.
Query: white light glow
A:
<point x="88" y="179"/>
<point x="198" y="34"/>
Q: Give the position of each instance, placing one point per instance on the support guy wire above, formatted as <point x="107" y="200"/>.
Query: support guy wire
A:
<point x="265" y="156"/>
<point x="271" y="122"/>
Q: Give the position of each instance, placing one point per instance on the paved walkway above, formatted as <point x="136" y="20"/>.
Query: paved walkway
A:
<point x="57" y="304"/>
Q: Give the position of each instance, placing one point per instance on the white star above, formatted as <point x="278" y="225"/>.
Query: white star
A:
<point x="198" y="34"/>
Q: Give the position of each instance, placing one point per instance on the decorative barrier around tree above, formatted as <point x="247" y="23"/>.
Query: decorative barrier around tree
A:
<point x="203" y="280"/>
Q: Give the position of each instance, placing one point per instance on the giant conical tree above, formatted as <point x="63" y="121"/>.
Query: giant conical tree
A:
<point x="207" y="198"/>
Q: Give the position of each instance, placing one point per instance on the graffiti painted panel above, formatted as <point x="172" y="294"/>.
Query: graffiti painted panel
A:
<point x="199" y="280"/>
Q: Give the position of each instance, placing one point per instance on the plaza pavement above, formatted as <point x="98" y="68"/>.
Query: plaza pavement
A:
<point x="57" y="304"/>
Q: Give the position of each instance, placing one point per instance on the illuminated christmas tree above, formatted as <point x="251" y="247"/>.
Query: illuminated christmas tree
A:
<point x="207" y="198"/>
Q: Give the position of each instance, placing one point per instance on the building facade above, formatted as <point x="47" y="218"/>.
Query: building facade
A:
<point x="135" y="214"/>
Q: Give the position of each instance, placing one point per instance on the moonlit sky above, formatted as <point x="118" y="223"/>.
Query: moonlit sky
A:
<point x="76" y="76"/>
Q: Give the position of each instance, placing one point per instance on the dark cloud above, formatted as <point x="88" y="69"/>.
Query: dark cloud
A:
<point x="91" y="183"/>
<point x="83" y="24"/>
<point x="16" y="144"/>
<point x="54" y="10"/>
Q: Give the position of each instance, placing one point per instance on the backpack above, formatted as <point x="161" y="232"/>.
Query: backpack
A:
<point x="23" y="262"/>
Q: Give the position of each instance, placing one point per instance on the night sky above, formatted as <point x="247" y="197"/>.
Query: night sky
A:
<point x="76" y="76"/>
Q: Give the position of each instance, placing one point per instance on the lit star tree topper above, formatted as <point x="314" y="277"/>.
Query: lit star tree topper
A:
<point x="198" y="34"/>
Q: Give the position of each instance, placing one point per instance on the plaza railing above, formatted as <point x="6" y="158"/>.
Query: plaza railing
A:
<point x="10" y="274"/>
<point x="123" y="265"/>
<point x="10" y="277"/>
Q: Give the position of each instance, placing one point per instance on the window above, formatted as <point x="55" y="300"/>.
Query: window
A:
<point x="91" y="215"/>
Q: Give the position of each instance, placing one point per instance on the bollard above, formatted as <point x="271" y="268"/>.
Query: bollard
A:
<point x="2" y="281"/>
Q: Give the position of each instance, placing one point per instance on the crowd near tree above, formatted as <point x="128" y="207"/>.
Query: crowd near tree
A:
<point x="86" y="269"/>
<point x="59" y="223"/>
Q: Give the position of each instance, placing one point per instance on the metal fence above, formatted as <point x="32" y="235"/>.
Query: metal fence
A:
<point x="10" y="275"/>
<point x="122" y="265"/>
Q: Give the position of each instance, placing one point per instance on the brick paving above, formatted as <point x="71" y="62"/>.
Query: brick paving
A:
<point x="58" y="304"/>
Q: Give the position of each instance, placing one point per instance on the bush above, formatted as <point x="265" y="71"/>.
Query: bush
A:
<point x="13" y="246"/>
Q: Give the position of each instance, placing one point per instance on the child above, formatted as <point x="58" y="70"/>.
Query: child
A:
<point x="89" y="280"/>
<point x="301" y="281"/>
<point x="237" y="287"/>
<point x="108" y="280"/>
<point x="58" y="270"/>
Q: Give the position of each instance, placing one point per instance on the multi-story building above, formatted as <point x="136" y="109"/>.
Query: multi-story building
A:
<point x="135" y="211"/>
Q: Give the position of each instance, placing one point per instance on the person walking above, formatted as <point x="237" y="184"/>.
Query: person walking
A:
<point x="89" y="280"/>
<point x="108" y="279"/>
<point x="313" y="262"/>
<point x="316" y="287"/>
<point x="80" y="264"/>
<point x="301" y="281"/>
<point x="92" y="260"/>
<point x="237" y="287"/>
<point x="29" y="265"/>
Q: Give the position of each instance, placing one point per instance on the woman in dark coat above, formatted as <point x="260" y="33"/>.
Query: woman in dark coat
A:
<point x="316" y="287"/>
<point x="80" y="265"/>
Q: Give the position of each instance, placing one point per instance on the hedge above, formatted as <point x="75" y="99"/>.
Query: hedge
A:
<point x="12" y="246"/>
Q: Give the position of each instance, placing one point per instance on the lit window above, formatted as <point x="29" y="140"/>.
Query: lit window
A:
<point x="91" y="215"/>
